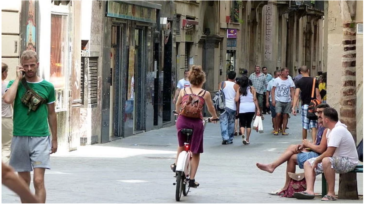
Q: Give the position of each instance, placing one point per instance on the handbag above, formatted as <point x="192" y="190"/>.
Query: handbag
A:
<point x="311" y="112"/>
<point x="31" y="99"/>
<point x="297" y="183"/>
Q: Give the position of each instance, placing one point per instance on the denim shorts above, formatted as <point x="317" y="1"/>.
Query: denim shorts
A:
<point x="304" y="156"/>
<point x="272" y="109"/>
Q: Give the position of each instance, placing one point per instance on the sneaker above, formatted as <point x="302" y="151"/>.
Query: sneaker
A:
<point x="224" y="142"/>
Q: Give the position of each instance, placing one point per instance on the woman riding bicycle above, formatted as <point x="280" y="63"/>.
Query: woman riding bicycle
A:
<point x="197" y="80"/>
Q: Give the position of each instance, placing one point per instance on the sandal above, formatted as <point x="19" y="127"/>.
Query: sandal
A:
<point x="193" y="184"/>
<point x="173" y="167"/>
<point x="245" y="142"/>
<point x="328" y="198"/>
<point x="276" y="133"/>
<point x="284" y="133"/>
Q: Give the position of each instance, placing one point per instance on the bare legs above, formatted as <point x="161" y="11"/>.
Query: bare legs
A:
<point x="285" y="121"/>
<point x="290" y="167"/>
<point x="314" y="132"/>
<point x="309" y="177"/>
<point x="291" y="150"/>
<point x="194" y="165"/>
<point x="304" y="134"/>
<point x="278" y="122"/>
<point x="38" y="180"/>
<point x="329" y="173"/>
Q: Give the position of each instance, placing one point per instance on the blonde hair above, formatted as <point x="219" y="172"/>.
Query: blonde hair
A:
<point x="28" y="54"/>
<point x="196" y="75"/>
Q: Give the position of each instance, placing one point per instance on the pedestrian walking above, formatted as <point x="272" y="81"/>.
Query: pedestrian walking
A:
<point x="7" y="118"/>
<point x="269" y="99"/>
<point x="296" y="79"/>
<point x="183" y="83"/>
<point x="237" y="130"/>
<point x="248" y="105"/>
<point x="227" y="118"/>
<point x="268" y="79"/>
<point x="259" y="82"/>
<point x="282" y="94"/>
<point x="304" y="87"/>
<point x="31" y="144"/>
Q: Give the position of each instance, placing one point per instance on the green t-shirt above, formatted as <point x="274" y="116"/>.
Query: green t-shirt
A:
<point x="36" y="123"/>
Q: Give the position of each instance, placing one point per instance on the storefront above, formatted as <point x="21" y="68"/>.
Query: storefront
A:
<point x="128" y="69"/>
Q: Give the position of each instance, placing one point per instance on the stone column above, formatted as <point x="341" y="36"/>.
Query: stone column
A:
<point x="270" y="32"/>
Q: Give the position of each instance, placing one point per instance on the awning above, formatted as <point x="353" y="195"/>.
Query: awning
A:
<point x="186" y="22"/>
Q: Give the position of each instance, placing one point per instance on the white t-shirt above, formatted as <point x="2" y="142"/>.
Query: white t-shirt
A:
<point x="342" y="139"/>
<point x="282" y="89"/>
<point x="6" y="109"/>
<point x="183" y="84"/>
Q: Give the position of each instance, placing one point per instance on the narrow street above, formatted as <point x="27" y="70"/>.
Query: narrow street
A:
<point x="136" y="170"/>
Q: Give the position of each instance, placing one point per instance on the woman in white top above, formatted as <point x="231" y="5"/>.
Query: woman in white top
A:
<point x="7" y="118"/>
<point x="248" y="105"/>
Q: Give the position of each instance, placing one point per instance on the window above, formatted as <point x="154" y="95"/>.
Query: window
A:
<point x="59" y="57"/>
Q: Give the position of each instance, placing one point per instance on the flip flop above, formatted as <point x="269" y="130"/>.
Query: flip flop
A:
<point x="284" y="133"/>
<point x="275" y="192"/>
<point x="303" y="195"/>
<point x="328" y="198"/>
<point x="276" y="133"/>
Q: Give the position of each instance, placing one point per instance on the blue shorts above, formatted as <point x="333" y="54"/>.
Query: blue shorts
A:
<point x="272" y="109"/>
<point x="304" y="156"/>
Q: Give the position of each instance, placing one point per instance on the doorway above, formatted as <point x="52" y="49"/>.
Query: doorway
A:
<point x="167" y="92"/>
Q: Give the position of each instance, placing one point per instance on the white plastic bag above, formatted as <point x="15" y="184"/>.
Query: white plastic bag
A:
<point x="261" y="126"/>
<point x="256" y="123"/>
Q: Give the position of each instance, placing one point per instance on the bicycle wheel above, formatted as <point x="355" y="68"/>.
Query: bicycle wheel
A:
<point x="179" y="185"/>
<point x="186" y="186"/>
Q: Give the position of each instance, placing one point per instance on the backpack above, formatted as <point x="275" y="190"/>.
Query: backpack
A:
<point x="192" y="105"/>
<point x="311" y="113"/>
<point x="297" y="183"/>
<point x="219" y="100"/>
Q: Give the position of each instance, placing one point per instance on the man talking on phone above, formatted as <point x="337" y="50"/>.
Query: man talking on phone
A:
<point x="34" y="109"/>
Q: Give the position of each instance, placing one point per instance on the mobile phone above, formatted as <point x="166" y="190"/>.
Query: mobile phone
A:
<point x="23" y="72"/>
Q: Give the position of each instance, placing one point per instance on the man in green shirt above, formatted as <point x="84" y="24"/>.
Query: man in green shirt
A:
<point x="31" y="144"/>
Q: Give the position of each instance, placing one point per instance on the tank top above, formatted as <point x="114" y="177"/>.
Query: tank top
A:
<point x="246" y="102"/>
<point x="319" y="134"/>
<point x="230" y="94"/>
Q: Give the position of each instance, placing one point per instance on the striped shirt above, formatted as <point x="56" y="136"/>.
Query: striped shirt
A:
<point x="259" y="82"/>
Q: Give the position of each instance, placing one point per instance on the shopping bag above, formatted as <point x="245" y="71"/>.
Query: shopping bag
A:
<point x="261" y="126"/>
<point x="255" y="123"/>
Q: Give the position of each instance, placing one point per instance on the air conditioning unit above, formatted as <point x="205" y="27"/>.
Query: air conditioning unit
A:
<point x="359" y="28"/>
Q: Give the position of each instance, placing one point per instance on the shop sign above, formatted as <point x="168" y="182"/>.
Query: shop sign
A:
<point x="231" y="33"/>
<point x="231" y="43"/>
<point x="131" y="12"/>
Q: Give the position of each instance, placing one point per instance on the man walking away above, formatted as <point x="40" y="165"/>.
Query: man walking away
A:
<point x="31" y="144"/>
<point x="7" y="118"/>
<point x="183" y="83"/>
<point x="258" y="80"/>
<point x="282" y="94"/>
<point x="269" y="98"/>
<point x="296" y="79"/>
<point x="304" y="86"/>
<point x="228" y="117"/>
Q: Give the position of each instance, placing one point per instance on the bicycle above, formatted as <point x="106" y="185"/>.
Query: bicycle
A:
<point x="183" y="163"/>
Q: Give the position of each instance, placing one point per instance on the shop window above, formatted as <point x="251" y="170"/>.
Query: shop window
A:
<point x="59" y="57"/>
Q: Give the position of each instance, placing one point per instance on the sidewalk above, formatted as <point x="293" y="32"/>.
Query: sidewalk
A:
<point x="136" y="170"/>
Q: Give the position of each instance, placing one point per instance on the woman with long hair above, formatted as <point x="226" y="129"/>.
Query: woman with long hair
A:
<point x="197" y="79"/>
<point x="248" y="105"/>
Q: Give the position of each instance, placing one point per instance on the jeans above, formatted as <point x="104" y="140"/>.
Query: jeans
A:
<point x="226" y="120"/>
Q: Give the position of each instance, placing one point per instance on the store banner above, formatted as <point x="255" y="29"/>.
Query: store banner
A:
<point x="231" y="33"/>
